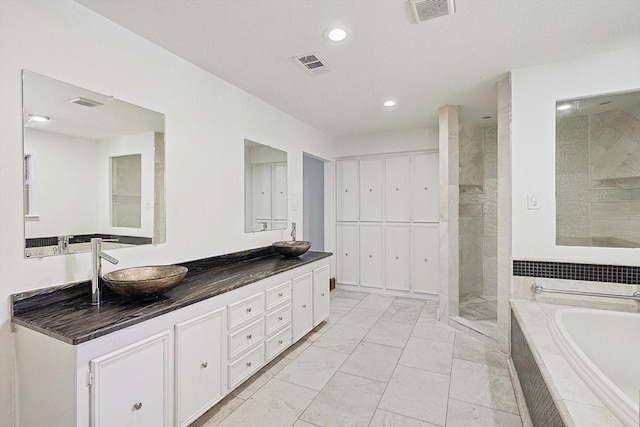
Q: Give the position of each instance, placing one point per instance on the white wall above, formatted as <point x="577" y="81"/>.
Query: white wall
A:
<point x="535" y="91"/>
<point x="386" y="142"/>
<point x="207" y="121"/>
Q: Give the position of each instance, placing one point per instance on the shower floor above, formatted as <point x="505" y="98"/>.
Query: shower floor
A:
<point x="480" y="308"/>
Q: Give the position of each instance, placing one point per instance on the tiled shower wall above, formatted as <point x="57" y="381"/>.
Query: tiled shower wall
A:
<point x="478" y="211"/>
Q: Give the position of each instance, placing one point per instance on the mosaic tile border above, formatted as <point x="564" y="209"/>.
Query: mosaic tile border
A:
<point x="624" y="274"/>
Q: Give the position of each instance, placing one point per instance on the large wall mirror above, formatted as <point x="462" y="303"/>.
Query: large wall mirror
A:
<point x="93" y="167"/>
<point x="265" y="178"/>
<point x="598" y="171"/>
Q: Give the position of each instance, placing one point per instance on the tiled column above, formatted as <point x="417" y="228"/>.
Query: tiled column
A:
<point x="504" y="212"/>
<point x="449" y="198"/>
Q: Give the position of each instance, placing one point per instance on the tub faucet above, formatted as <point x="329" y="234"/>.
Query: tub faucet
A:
<point x="96" y="268"/>
<point x="293" y="231"/>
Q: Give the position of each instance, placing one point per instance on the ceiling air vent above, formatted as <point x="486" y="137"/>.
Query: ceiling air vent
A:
<point x="312" y="63"/>
<point x="85" y="102"/>
<point x="424" y="10"/>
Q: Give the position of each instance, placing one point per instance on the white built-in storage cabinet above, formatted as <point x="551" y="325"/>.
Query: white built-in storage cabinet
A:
<point x="387" y="222"/>
<point x="169" y="370"/>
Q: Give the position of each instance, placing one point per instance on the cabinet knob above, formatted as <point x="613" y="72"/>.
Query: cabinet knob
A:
<point x="137" y="406"/>
<point x="370" y="256"/>
<point x="425" y="260"/>
<point x="426" y="188"/>
<point x="204" y="365"/>
<point x="279" y="341"/>
<point x="371" y="189"/>
<point x="304" y="306"/>
<point x="262" y="192"/>
<point x="322" y="294"/>
<point x="397" y="258"/>
<point x="346" y="254"/>
<point x="346" y="191"/>
<point x="280" y="318"/>
<point x="248" y="364"/>
<point x="397" y="189"/>
<point x="280" y="294"/>
<point x="249" y="310"/>
<point x="249" y="336"/>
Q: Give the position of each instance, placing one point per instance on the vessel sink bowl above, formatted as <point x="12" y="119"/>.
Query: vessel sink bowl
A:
<point x="292" y="248"/>
<point x="145" y="281"/>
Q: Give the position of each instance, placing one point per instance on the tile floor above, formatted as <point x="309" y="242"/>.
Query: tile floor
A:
<point x="378" y="361"/>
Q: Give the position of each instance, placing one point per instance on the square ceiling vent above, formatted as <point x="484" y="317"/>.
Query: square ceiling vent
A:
<point x="312" y="63"/>
<point x="423" y="10"/>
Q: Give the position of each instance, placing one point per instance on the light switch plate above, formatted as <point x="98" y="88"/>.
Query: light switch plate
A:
<point x="532" y="201"/>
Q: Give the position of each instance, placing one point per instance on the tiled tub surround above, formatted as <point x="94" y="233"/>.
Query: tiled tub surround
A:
<point x="66" y="313"/>
<point x="577" y="405"/>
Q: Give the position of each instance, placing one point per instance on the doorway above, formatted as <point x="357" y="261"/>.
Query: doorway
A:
<point x="313" y="198"/>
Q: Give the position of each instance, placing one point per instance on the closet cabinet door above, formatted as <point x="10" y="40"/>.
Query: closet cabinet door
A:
<point x="371" y="178"/>
<point x="425" y="270"/>
<point x="347" y="190"/>
<point x="426" y="207"/>
<point x="262" y="192"/>
<point x="397" y="257"/>
<point x="347" y="254"/>
<point x="398" y="188"/>
<point x="279" y="192"/>
<point x="371" y="261"/>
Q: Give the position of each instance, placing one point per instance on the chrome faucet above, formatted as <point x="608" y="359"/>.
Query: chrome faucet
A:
<point x="63" y="244"/>
<point x="293" y="231"/>
<point x="96" y="268"/>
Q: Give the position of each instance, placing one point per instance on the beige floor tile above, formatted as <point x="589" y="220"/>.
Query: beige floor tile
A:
<point x="344" y="293"/>
<point x="342" y="304"/>
<point x="361" y="317"/>
<point x="313" y="368"/>
<point x="463" y="414"/>
<point x="301" y="423"/>
<point x="347" y="400"/>
<point x="482" y="385"/>
<point x="219" y="412"/>
<point x="467" y="348"/>
<point x="389" y="419"/>
<point x="434" y="356"/>
<point x="373" y="361"/>
<point x="297" y="349"/>
<point x="252" y="385"/>
<point x="433" y="330"/>
<point x="389" y="333"/>
<point x="417" y="394"/>
<point x="399" y="312"/>
<point x="376" y="302"/>
<point x="342" y="338"/>
<point x="277" y="404"/>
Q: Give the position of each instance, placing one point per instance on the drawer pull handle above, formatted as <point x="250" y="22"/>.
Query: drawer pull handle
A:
<point x="204" y="365"/>
<point x="137" y="406"/>
<point x="248" y="364"/>
<point x="279" y="341"/>
<point x="280" y="294"/>
<point x="249" y="336"/>
<point x="280" y="318"/>
<point x="249" y="310"/>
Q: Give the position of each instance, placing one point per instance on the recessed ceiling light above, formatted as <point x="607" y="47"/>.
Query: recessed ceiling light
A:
<point x="563" y="107"/>
<point x="336" y="35"/>
<point x="389" y="103"/>
<point x="38" y="118"/>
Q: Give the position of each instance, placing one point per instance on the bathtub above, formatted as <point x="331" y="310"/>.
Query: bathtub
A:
<point x="604" y="349"/>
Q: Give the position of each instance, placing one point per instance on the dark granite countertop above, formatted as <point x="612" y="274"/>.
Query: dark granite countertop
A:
<point x="66" y="313"/>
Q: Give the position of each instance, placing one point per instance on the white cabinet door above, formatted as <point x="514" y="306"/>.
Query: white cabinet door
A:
<point x="302" y="306"/>
<point x="371" y="177"/>
<point x="279" y="192"/>
<point x="131" y="386"/>
<point x="426" y="186"/>
<point x="320" y="294"/>
<point x="398" y="188"/>
<point x="262" y="192"/>
<point x="425" y="268"/>
<point x="371" y="261"/>
<point x="200" y="365"/>
<point x="347" y="190"/>
<point x="397" y="257"/>
<point x="347" y="256"/>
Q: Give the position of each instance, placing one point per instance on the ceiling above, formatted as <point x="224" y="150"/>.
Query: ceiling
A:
<point x="455" y="59"/>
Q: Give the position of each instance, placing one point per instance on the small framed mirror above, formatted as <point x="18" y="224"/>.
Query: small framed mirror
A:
<point x="598" y="171"/>
<point x="265" y="179"/>
<point x="93" y="167"/>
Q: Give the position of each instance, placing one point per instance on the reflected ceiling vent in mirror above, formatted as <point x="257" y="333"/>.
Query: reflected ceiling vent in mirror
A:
<point x="423" y="10"/>
<point x="85" y="102"/>
<point x="312" y="63"/>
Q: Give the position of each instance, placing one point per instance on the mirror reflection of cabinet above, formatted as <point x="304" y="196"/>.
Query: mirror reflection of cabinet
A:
<point x="265" y="188"/>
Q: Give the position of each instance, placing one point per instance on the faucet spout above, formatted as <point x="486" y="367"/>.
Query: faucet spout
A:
<point x="96" y="268"/>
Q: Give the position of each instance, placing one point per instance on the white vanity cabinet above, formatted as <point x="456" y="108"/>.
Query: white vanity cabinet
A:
<point x="131" y="386"/>
<point x="302" y="305"/>
<point x="199" y="366"/>
<point x="321" y="277"/>
<point x="278" y="320"/>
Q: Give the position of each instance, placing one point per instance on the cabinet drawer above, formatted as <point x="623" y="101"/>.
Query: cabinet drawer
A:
<point x="278" y="318"/>
<point x="277" y="343"/>
<point x="248" y="308"/>
<point x="245" y="366"/>
<point x="246" y="337"/>
<point x="278" y="294"/>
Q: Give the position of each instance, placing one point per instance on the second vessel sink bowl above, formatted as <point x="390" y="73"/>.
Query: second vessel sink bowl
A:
<point x="145" y="281"/>
<point x="291" y="248"/>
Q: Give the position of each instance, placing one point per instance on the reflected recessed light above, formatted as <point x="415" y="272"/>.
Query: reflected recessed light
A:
<point x="336" y="35"/>
<point x="389" y="103"/>
<point x="563" y="107"/>
<point x="38" y="118"/>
